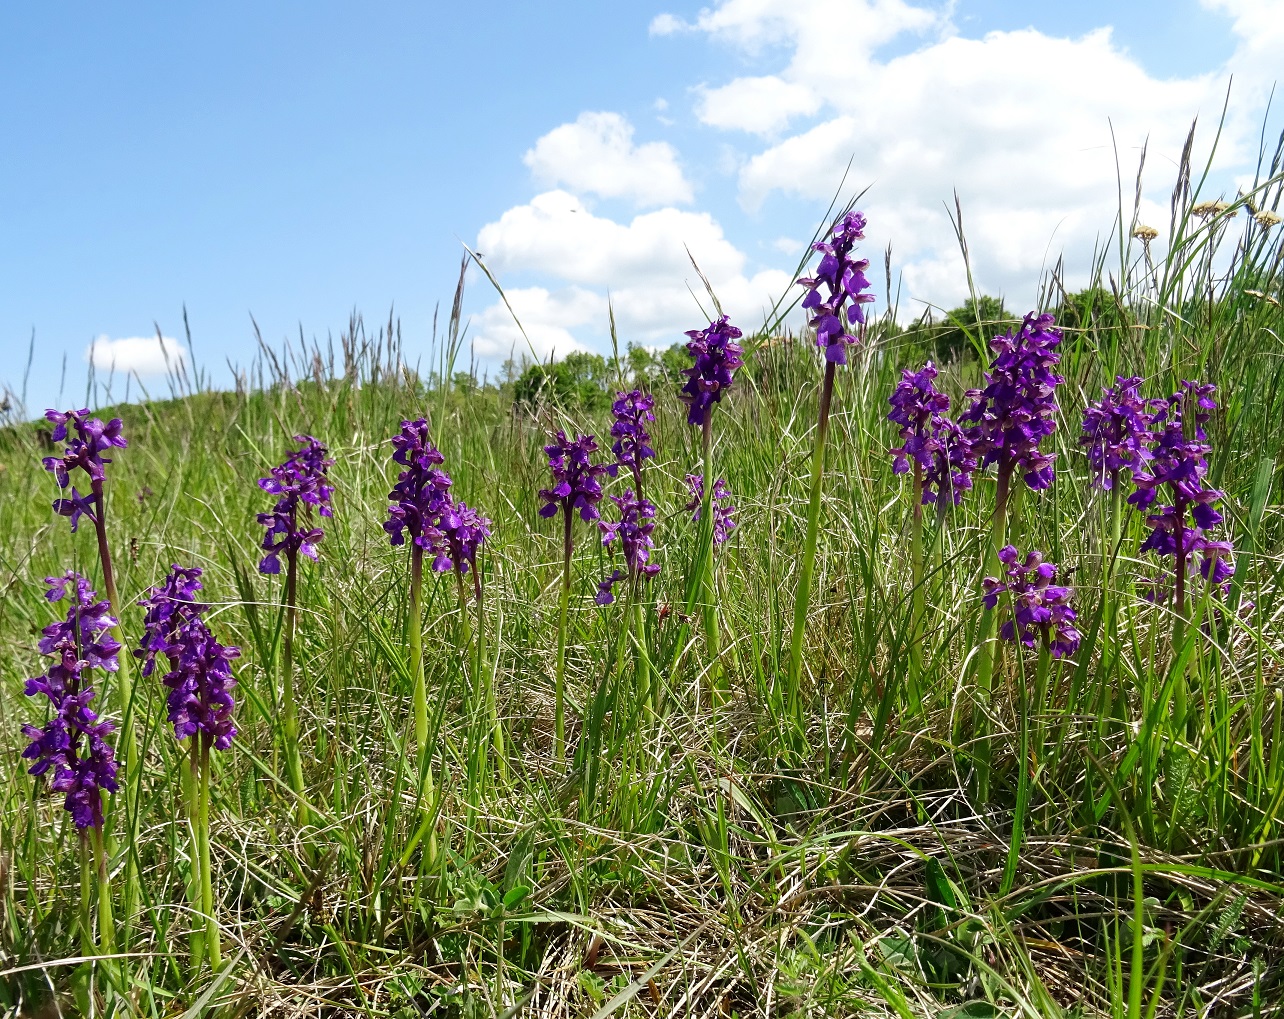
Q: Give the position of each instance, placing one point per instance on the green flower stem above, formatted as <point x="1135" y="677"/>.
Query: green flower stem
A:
<point x="106" y="919"/>
<point x="191" y="767"/>
<point x="1181" y="686"/>
<point x="289" y="712"/>
<point x="643" y="663"/>
<point x="916" y="596"/>
<point x="1023" y="766"/>
<point x="128" y="746"/>
<point x="415" y="640"/>
<point x="985" y="658"/>
<point x="559" y="679"/>
<point x="489" y="668"/>
<point x="212" y="946"/>
<point x="709" y="588"/>
<point x="86" y="898"/>
<point x="802" y="597"/>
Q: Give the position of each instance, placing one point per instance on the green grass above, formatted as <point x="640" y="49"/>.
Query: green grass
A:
<point x="709" y="859"/>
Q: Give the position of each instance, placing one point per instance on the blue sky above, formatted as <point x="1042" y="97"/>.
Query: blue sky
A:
<point x="297" y="161"/>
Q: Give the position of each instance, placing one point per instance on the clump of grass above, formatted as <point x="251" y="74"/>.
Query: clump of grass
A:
<point x="824" y="852"/>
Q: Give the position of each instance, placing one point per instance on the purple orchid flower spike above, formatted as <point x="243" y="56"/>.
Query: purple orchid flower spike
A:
<point x="73" y="743"/>
<point x="422" y="491"/>
<point x="87" y="439"/>
<point x="715" y="357"/>
<point x="843" y="277"/>
<point x="633" y="532"/>
<point x="723" y="512"/>
<point x="575" y="477"/>
<point x="1177" y="466"/>
<point x="301" y="484"/>
<point x="462" y="531"/>
<point x="1041" y="611"/>
<point x="933" y="446"/>
<point x="1016" y="410"/>
<point x="632" y="411"/>
<point x="200" y="677"/>
<point x="1116" y="432"/>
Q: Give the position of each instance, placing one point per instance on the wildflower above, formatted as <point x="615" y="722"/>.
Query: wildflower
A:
<point x="604" y="595"/>
<point x="937" y="447"/>
<point x="844" y="279"/>
<point x="461" y="530"/>
<point x="73" y="742"/>
<point x="170" y="605"/>
<point x="1116" y="430"/>
<point x="723" y="521"/>
<point x="716" y="356"/>
<point x="633" y="531"/>
<point x="1016" y="409"/>
<point x="1144" y="233"/>
<point x="632" y="411"/>
<point x="1041" y="610"/>
<point x="84" y="451"/>
<point x="1205" y="210"/>
<point x="575" y="477"/>
<point x="1267" y="219"/>
<point x="422" y="491"/>
<point x="300" y="482"/>
<point x="1177" y="466"/>
<point x="200" y="676"/>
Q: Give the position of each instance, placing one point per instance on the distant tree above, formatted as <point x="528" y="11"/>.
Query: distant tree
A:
<point x="1088" y="308"/>
<point x="959" y="333"/>
<point x="578" y="381"/>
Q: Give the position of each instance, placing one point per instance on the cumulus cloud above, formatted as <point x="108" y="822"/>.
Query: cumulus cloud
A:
<point x="1019" y="122"/>
<point x="643" y="265"/>
<point x="546" y="320"/>
<point x="760" y="105"/>
<point x="135" y="355"/>
<point x="596" y="155"/>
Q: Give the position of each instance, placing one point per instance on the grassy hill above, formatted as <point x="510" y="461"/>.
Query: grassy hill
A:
<point x="713" y="851"/>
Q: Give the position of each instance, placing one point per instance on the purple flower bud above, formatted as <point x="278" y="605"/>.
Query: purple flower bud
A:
<point x="715" y="356"/>
<point x="1115" y="431"/>
<point x="723" y="519"/>
<point x="930" y="440"/>
<point x="72" y="743"/>
<point x="200" y="676"/>
<point x="1040" y="609"/>
<point x="301" y="483"/>
<point x="1017" y="408"/>
<point x="844" y="279"/>
<point x="421" y="491"/>
<point x="575" y="477"/>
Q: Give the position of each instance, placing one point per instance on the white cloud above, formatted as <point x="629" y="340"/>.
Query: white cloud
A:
<point x="137" y="355"/>
<point x="643" y="265"/>
<point x="833" y="33"/>
<point x="667" y="24"/>
<point x="760" y="105"/>
<point x="596" y="155"/>
<point x="546" y="323"/>
<point x="1020" y="123"/>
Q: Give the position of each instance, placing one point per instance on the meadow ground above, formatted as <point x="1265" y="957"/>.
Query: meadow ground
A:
<point x="1099" y="835"/>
